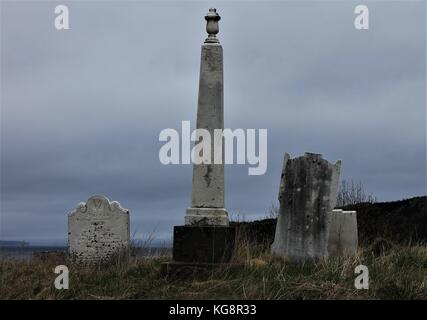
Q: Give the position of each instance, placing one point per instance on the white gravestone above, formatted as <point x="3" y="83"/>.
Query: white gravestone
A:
<point x="98" y="230"/>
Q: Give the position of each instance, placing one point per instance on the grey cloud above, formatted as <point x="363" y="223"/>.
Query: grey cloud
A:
<point x="81" y="110"/>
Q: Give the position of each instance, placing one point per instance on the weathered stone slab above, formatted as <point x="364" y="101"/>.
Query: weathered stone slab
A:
<point x="343" y="238"/>
<point x="98" y="231"/>
<point x="308" y="192"/>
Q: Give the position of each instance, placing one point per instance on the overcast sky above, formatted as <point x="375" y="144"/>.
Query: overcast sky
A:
<point x="82" y="109"/>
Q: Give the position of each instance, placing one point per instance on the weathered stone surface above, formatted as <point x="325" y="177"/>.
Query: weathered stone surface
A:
<point x="308" y="192"/>
<point x="208" y="179"/>
<point x="98" y="230"/>
<point x="343" y="233"/>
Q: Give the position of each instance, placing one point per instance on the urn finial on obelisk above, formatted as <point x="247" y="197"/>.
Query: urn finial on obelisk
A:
<point x="207" y="204"/>
<point x="212" y="28"/>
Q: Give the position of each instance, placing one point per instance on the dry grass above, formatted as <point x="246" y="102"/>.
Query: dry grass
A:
<point x="399" y="273"/>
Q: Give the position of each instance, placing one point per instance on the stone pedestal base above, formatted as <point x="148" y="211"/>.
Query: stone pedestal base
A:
<point x="206" y="216"/>
<point x="200" y="248"/>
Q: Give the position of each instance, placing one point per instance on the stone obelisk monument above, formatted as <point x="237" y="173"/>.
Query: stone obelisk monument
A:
<point x="206" y="239"/>
<point x="207" y="206"/>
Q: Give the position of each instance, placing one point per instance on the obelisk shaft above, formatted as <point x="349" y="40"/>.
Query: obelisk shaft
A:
<point x="207" y="205"/>
<point x="208" y="179"/>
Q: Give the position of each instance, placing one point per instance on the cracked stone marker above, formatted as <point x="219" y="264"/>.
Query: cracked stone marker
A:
<point x="98" y="231"/>
<point x="307" y="195"/>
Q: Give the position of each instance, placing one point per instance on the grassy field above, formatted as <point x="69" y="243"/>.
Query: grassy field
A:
<point x="398" y="273"/>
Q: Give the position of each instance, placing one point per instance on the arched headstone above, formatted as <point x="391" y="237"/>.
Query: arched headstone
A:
<point x="98" y="231"/>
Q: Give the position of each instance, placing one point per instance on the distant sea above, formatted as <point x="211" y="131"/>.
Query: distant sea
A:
<point x="25" y="252"/>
